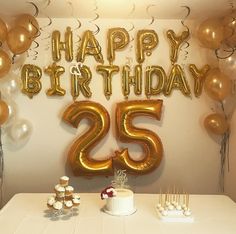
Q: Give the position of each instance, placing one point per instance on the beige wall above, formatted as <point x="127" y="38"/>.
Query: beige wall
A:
<point x="191" y="157"/>
<point x="230" y="177"/>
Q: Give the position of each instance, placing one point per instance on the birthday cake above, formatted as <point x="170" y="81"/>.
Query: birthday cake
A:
<point x="119" y="201"/>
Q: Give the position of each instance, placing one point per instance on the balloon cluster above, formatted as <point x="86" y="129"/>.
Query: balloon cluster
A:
<point x="215" y="33"/>
<point x="218" y="34"/>
<point x="14" y="42"/>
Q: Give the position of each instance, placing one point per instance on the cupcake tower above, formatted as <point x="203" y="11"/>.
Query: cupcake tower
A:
<point x="174" y="207"/>
<point x="64" y="198"/>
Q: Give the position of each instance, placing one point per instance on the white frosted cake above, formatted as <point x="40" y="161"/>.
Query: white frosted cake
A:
<point x="121" y="203"/>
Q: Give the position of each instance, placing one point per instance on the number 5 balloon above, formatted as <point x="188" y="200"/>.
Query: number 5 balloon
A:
<point x="127" y="132"/>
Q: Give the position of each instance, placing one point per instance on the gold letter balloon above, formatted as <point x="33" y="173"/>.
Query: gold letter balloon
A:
<point x="118" y="38"/>
<point x="199" y="76"/>
<point x="79" y="158"/>
<point x="175" y="42"/>
<point x="177" y="80"/>
<point x="147" y="40"/>
<point x="127" y="132"/>
<point x="54" y="72"/>
<point x="30" y="76"/>
<point x="89" y="46"/>
<point x="58" y="46"/>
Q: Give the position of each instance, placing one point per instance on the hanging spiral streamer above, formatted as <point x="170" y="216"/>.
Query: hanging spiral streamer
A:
<point x="92" y="21"/>
<point x="33" y="51"/>
<point x="147" y="11"/>
<point x="79" y="24"/>
<point x="42" y="29"/>
<point x="129" y="60"/>
<point x="230" y="50"/>
<point x="186" y="44"/>
<point x="36" y="9"/>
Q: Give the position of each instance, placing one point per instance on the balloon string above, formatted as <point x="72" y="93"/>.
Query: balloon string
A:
<point x="224" y="151"/>
<point x="147" y="11"/>
<point x="185" y="44"/>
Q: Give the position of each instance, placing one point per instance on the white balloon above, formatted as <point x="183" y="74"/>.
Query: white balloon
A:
<point x="20" y="131"/>
<point x="18" y="61"/>
<point x="10" y="85"/>
<point x="228" y="66"/>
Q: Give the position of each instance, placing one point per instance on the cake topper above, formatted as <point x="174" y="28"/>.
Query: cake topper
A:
<point x="120" y="179"/>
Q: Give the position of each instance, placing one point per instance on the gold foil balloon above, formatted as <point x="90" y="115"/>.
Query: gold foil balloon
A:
<point x="18" y="40"/>
<point x="175" y="42"/>
<point x="5" y="63"/>
<point x="28" y="22"/>
<point x="177" y="80"/>
<point x="55" y="72"/>
<point x="199" y="76"/>
<point x="118" y="38"/>
<point x="211" y="33"/>
<point x="30" y="76"/>
<point x="89" y="46"/>
<point x="79" y="159"/>
<point x="128" y="133"/>
<point x="147" y="40"/>
<point x="158" y="73"/>
<point x="216" y="123"/>
<point x="229" y="23"/>
<point x="58" y="45"/>
<point x="80" y="82"/>
<point x="217" y="85"/>
<point x="107" y="72"/>
<point x="128" y="80"/>
<point x="4" y="112"/>
<point x="3" y="31"/>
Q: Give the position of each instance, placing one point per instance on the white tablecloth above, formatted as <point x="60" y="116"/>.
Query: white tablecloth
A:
<point x="28" y="214"/>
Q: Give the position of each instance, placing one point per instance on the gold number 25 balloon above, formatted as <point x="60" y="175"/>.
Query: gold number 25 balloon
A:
<point x="127" y="132"/>
<point x="78" y="155"/>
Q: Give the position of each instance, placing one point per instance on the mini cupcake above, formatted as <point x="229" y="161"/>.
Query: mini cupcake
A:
<point x="60" y="191"/>
<point x="51" y="201"/>
<point x="69" y="192"/>
<point x="58" y="205"/>
<point x="76" y="201"/>
<point x="68" y="204"/>
<point x="64" y="181"/>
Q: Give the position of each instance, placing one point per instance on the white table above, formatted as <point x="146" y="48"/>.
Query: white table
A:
<point x="28" y="214"/>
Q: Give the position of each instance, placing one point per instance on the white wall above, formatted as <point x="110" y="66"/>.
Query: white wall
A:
<point x="191" y="158"/>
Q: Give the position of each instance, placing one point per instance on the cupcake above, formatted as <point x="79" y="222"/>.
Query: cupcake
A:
<point x="68" y="204"/>
<point x="50" y="202"/>
<point x="69" y="192"/>
<point x="76" y="201"/>
<point x="60" y="191"/>
<point x="64" y="181"/>
<point x="57" y="205"/>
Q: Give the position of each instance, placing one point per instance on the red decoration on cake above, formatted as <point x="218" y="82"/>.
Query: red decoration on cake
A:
<point x="108" y="192"/>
